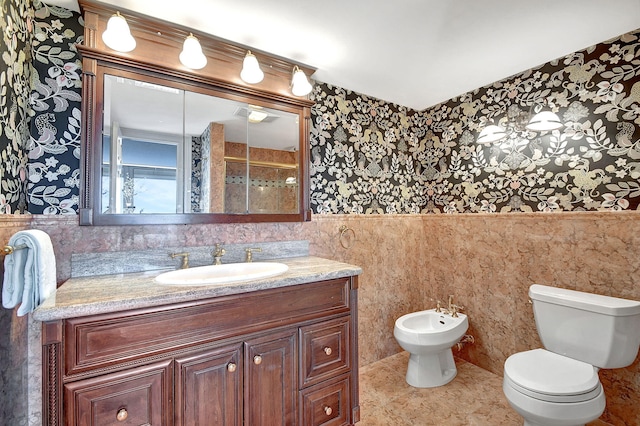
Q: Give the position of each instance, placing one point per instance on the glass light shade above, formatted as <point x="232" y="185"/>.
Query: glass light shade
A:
<point x="491" y="133"/>
<point x="251" y="72"/>
<point x="300" y="85"/>
<point x="191" y="55"/>
<point x="118" y="36"/>
<point x="544" y="121"/>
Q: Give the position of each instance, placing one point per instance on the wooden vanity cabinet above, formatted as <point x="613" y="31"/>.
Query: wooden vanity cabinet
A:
<point x="284" y="356"/>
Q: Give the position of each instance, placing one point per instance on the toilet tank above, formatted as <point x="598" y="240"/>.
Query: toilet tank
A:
<point x="600" y="330"/>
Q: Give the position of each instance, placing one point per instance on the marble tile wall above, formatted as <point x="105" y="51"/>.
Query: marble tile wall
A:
<point x="486" y="261"/>
<point x="16" y="408"/>
<point x="489" y="261"/>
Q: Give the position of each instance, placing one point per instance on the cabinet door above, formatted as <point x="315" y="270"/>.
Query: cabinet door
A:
<point x="138" y="396"/>
<point x="270" y="382"/>
<point x="209" y="388"/>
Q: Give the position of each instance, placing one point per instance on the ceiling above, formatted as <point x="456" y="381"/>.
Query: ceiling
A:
<point x="415" y="53"/>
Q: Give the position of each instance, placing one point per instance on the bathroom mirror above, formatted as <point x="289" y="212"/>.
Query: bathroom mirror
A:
<point x="169" y="151"/>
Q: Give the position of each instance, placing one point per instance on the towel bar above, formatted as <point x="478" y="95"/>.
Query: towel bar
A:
<point x="10" y="249"/>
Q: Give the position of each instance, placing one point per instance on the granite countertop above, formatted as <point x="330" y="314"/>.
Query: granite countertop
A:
<point x="91" y="295"/>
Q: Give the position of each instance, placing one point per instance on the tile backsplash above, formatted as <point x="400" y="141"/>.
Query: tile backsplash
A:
<point x="122" y="262"/>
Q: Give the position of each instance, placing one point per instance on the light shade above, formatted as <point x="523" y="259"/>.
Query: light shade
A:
<point x="491" y="133"/>
<point x="251" y="72"/>
<point x="544" y="121"/>
<point x="191" y="55"/>
<point x="118" y="36"/>
<point x="300" y="85"/>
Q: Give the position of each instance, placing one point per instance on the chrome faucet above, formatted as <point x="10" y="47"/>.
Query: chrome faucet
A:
<point x="217" y="254"/>
<point x="185" y="259"/>
<point x="249" y="252"/>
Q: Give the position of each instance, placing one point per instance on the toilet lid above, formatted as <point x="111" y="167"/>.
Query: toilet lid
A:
<point x="552" y="377"/>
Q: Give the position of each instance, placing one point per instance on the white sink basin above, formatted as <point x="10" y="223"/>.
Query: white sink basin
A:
<point x="222" y="274"/>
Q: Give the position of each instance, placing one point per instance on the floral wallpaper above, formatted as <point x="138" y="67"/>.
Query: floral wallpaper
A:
<point x="54" y="148"/>
<point x="369" y="156"/>
<point x="16" y="25"/>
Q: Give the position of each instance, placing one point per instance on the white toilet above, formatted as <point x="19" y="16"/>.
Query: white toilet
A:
<point x="581" y="333"/>
<point x="428" y="337"/>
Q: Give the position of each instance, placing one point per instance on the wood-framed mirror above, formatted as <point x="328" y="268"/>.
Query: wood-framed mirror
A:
<point x="165" y="145"/>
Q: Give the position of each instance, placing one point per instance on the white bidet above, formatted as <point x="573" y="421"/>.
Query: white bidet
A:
<point x="428" y="337"/>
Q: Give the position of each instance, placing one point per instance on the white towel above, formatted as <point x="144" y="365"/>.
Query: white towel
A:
<point x="29" y="273"/>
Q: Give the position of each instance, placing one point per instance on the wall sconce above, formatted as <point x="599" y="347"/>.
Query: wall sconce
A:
<point x="251" y="72"/>
<point x="118" y="36"/>
<point x="191" y="55"/>
<point x="300" y="85"/>
<point x="537" y="120"/>
<point x="544" y="120"/>
<point x="491" y="133"/>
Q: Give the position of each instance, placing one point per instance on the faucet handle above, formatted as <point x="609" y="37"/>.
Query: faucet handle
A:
<point x="249" y="252"/>
<point x="217" y="254"/>
<point x="438" y="306"/>
<point x="455" y="309"/>
<point x="185" y="259"/>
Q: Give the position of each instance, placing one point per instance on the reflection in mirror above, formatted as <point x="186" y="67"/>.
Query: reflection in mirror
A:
<point x="142" y="153"/>
<point x="273" y="160"/>
<point x="166" y="150"/>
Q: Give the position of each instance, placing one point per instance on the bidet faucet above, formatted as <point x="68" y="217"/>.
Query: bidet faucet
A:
<point x="185" y="259"/>
<point x="217" y="254"/>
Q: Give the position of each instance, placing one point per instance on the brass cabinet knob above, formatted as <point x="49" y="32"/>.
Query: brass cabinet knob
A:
<point x="257" y="360"/>
<point x="231" y="367"/>
<point x="328" y="410"/>
<point x="122" y="415"/>
<point x="327" y="350"/>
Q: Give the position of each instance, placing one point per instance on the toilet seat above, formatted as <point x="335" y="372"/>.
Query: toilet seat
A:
<point x="547" y="376"/>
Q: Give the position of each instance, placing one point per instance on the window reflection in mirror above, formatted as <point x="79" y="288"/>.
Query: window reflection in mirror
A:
<point x="167" y="150"/>
<point x="142" y="153"/>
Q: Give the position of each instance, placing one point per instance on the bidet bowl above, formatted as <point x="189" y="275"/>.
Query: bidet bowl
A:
<point x="429" y="331"/>
<point x="222" y="274"/>
<point x="428" y="337"/>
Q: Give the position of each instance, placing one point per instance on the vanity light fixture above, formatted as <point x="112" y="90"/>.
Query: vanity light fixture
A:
<point x="300" y="85"/>
<point x="490" y="134"/>
<point x="251" y="72"/>
<point x="118" y="36"/>
<point x="191" y="55"/>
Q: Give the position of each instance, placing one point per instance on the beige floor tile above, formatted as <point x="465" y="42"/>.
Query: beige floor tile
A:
<point x="473" y="398"/>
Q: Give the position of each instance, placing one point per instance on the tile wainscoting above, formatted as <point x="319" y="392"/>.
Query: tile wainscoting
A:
<point x="486" y="261"/>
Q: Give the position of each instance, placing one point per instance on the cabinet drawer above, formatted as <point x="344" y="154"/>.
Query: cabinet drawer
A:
<point x="140" y="396"/>
<point x="325" y="350"/>
<point x="326" y="404"/>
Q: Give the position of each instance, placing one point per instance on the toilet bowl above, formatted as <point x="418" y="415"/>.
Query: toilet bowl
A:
<point x="428" y="337"/>
<point x="581" y="332"/>
<point x="550" y="389"/>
